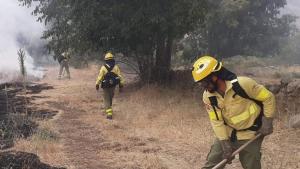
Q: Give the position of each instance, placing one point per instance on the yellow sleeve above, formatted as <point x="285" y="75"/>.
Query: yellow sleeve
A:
<point x="118" y="72"/>
<point x="216" y="120"/>
<point x="260" y="93"/>
<point x="101" y="75"/>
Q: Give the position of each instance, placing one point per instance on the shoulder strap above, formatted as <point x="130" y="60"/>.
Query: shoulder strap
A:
<point x="258" y="121"/>
<point x="214" y="103"/>
<point x="108" y="68"/>
<point x="241" y="92"/>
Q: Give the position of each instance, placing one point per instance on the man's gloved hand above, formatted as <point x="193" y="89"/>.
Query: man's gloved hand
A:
<point x="97" y="86"/>
<point x="267" y="126"/>
<point x="227" y="150"/>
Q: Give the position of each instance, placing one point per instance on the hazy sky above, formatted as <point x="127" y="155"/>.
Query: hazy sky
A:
<point x="293" y="7"/>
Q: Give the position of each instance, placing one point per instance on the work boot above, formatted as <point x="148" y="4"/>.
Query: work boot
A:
<point x="109" y="113"/>
<point x="109" y="117"/>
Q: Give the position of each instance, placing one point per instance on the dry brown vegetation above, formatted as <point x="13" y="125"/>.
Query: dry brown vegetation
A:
<point x="153" y="128"/>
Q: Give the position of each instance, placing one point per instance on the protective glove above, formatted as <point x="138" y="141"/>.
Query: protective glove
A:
<point x="267" y="126"/>
<point x="227" y="150"/>
<point x="97" y="86"/>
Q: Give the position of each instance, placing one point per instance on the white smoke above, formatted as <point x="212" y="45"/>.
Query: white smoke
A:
<point x="16" y="20"/>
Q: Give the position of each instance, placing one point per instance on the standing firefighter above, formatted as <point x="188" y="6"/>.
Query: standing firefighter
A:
<point x="238" y="109"/>
<point x="109" y="77"/>
<point x="63" y="60"/>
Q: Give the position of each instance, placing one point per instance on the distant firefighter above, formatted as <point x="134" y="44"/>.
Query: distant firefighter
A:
<point x="63" y="60"/>
<point x="109" y="77"/>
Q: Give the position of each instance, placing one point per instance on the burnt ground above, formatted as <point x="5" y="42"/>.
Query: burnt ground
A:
<point x="22" y="160"/>
<point x="18" y="115"/>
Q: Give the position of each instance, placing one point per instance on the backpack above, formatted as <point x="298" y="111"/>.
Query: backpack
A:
<point x="60" y="58"/>
<point x="110" y="79"/>
<point x="241" y="92"/>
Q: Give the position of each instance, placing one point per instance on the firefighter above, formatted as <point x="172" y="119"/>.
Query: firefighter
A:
<point x="63" y="60"/>
<point x="109" y="77"/>
<point x="238" y="109"/>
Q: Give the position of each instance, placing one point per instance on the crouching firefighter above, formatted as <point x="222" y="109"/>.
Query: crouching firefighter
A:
<point x="109" y="77"/>
<point x="238" y="109"/>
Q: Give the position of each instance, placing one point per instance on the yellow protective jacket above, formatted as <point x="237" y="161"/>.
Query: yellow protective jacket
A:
<point x="238" y="112"/>
<point x="103" y="71"/>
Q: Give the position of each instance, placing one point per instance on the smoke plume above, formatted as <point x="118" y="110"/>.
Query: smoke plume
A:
<point x="17" y="28"/>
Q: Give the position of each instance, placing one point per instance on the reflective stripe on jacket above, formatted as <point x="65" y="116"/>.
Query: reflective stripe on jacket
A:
<point x="115" y="70"/>
<point x="236" y="111"/>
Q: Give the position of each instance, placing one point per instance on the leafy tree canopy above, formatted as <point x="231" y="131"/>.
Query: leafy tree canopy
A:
<point x="146" y="30"/>
<point x="143" y="29"/>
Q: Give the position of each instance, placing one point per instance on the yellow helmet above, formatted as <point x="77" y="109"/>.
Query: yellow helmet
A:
<point x="204" y="66"/>
<point x="108" y="56"/>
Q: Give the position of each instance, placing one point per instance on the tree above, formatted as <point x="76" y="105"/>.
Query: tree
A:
<point x="243" y="27"/>
<point x="144" y="29"/>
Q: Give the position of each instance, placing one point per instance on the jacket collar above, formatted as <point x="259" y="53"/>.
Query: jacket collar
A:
<point x="228" y="86"/>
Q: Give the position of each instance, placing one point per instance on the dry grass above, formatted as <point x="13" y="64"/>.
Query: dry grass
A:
<point x="44" y="143"/>
<point x="153" y="128"/>
<point x="265" y="68"/>
<point x="180" y="121"/>
<point x="163" y="112"/>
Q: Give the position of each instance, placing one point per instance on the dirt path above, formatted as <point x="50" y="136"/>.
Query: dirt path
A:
<point x="91" y="141"/>
<point x="152" y="129"/>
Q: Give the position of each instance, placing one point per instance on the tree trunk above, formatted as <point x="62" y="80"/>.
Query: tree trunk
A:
<point x="145" y="64"/>
<point x="161" y="72"/>
<point x="155" y="67"/>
